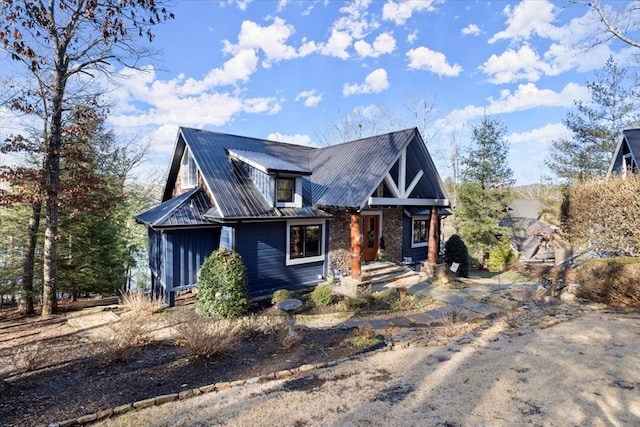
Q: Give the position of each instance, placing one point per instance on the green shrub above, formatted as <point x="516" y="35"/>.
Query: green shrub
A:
<point x="500" y="256"/>
<point x="353" y="304"/>
<point x="614" y="281"/>
<point x="456" y="251"/>
<point x="322" y="296"/>
<point x="280" y="295"/>
<point x="222" y="285"/>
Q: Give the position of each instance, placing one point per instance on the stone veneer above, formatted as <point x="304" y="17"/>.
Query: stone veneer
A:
<point x="340" y="237"/>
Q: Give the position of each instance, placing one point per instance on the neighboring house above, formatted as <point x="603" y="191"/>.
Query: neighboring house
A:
<point x="626" y="158"/>
<point x="531" y="238"/>
<point x="292" y="212"/>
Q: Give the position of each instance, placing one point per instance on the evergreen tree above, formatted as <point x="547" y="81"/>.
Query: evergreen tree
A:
<point x="484" y="191"/>
<point x="596" y="126"/>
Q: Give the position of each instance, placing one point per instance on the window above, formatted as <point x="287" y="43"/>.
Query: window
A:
<point x="189" y="171"/>
<point x="285" y="190"/>
<point x="305" y="243"/>
<point x="420" y="232"/>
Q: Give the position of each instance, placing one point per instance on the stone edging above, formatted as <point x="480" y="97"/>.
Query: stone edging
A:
<point x="187" y="394"/>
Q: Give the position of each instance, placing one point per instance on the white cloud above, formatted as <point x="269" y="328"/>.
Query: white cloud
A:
<point x="527" y="18"/>
<point x="512" y="65"/>
<point x="412" y="37"/>
<point x="471" y="30"/>
<point x="271" y="40"/>
<point x="383" y="44"/>
<point x="541" y="137"/>
<point x="356" y="21"/>
<point x="310" y="98"/>
<point x="375" y="82"/>
<point x="337" y="45"/>
<point x="423" y="58"/>
<point x="525" y="97"/>
<point x="291" y="139"/>
<point x="403" y="10"/>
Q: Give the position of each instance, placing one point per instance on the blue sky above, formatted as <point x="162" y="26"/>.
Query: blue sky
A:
<point x="288" y="70"/>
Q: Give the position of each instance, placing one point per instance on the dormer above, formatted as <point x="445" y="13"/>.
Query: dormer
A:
<point x="279" y="181"/>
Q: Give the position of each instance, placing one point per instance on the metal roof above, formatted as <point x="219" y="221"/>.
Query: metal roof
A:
<point x="344" y="175"/>
<point x="268" y="163"/>
<point x="185" y="209"/>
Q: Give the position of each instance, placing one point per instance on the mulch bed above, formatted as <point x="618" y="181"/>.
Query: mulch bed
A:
<point x="74" y="379"/>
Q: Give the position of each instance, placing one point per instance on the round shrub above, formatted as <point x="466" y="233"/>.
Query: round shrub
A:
<point x="322" y="296"/>
<point x="222" y="285"/>
<point x="613" y="281"/>
<point x="280" y="295"/>
<point x="456" y="251"/>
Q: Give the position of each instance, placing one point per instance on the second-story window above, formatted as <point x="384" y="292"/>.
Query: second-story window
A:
<point x="189" y="171"/>
<point x="285" y="190"/>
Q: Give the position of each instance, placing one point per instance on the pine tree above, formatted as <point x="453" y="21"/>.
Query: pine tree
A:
<point x="484" y="191"/>
<point x="595" y="126"/>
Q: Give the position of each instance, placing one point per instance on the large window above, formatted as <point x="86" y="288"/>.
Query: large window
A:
<point x="305" y="243"/>
<point x="189" y="171"/>
<point x="420" y="232"/>
<point x="285" y="190"/>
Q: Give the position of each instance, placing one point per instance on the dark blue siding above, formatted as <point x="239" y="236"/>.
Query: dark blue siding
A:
<point x="417" y="254"/>
<point x="262" y="247"/>
<point x="187" y="249"/>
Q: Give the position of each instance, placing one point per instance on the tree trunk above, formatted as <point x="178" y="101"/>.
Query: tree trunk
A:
<point x="356" y="242"/>
<point x="25" y="306"/>
<point x="434" y="233"/>
<point x="52" y="188"/>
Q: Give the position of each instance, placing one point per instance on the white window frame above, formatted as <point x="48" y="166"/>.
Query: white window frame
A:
<point x="305" y="260"/>
<point x="297" y="196"/>
<point x="413" y="220"/>
<point x="188" y="170"/>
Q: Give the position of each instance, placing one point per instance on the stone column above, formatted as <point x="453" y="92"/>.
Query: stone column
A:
<point x="356" y="243"/>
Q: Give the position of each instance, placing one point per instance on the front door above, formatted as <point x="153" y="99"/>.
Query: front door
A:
<point x="371" y="233"/>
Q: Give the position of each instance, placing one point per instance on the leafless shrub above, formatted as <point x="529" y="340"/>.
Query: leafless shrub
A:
<point x="611" y="281"/>
<point x="30" y="357"/>
<point x="513" y="319"/>
<point x="454" y="315"/>
<point x="139" y="302"/>
<point x="285" y="340"/>
<point x="603" y="215"/>
<point x="127" y="336"/>
<point x="206" y="337"/>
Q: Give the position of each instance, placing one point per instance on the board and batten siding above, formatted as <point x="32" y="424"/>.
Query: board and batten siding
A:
<point x="263" y="250"/>
<point x="184" y="251"/>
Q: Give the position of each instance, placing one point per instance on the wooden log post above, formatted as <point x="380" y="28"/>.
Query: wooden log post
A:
<point x="434" y="232"/>
<point x="356" y="242"/>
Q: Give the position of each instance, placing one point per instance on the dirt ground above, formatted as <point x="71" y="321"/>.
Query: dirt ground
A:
<point x="567" y="364"/>
<point x="583" y="371"/>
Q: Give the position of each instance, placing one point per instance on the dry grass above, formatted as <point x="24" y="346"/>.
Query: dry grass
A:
<point x="139" y="302"/>
<point x="30" y="357"/>
<point x="206" y="337"/>
<point x="126" y="336"/>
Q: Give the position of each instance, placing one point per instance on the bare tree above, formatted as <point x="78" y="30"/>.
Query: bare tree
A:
<point x="620" y="23"/>
<point x="63" y="44"/>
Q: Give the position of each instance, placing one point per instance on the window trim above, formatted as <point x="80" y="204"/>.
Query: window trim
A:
<point x="297" y="192"/>
<point x="305" y="260"/>
<point x="413" y="225"/>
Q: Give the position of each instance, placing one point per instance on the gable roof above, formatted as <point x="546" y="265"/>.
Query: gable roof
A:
<point x="628" y="144"/>
<point x="344" y="175"/>
<point x="185" y="209"/>
<point x="525" y="208"/>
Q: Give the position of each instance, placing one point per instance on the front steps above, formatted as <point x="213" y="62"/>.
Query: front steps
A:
<point x="376" y="277"/>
